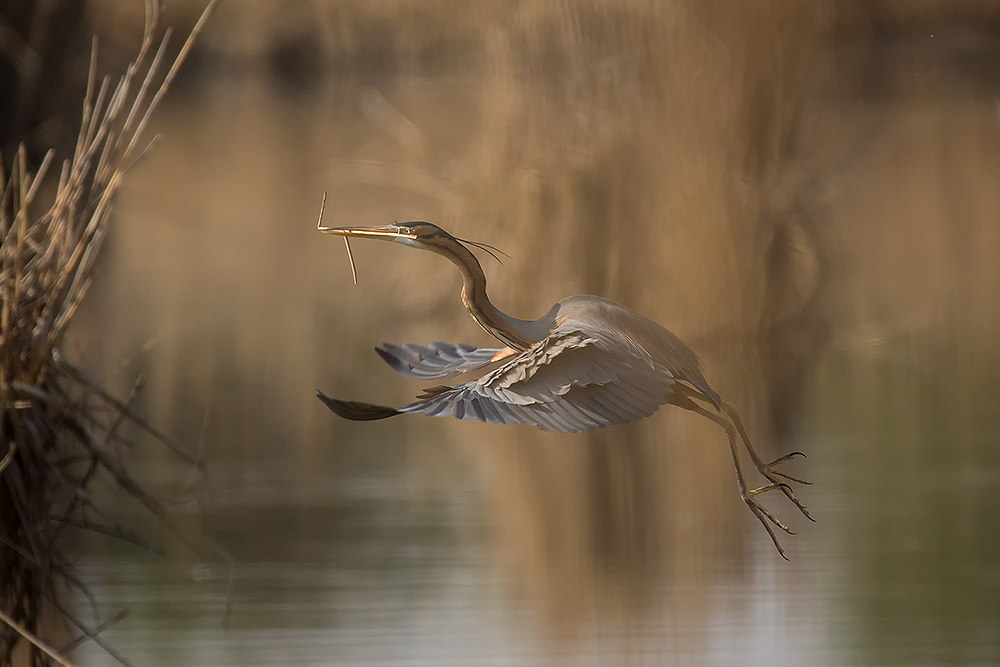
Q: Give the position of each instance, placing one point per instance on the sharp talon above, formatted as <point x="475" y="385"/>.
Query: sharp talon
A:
<point x="786" y="457"/>
<point x="756" y="509"/>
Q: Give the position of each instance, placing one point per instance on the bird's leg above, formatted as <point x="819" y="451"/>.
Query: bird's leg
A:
<point x="685" y="397"/>
<point x="749" y="496"/>
<point x="764" y="468"/>
<point x="767" y="469"/>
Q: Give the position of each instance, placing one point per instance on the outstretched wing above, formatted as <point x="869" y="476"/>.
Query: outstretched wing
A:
<point x="569" y="382"/>
<point x="438" y="359"/>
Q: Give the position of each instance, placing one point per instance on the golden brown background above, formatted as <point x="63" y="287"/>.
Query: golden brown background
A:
<point x="807" y="193"/>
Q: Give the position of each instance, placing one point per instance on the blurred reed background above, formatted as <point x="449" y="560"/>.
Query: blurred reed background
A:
<point x="806" y="193"/>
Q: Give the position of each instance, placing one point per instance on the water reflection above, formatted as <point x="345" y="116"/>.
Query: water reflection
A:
<point x="919" y="481"/>
<point x="860" y="329"/>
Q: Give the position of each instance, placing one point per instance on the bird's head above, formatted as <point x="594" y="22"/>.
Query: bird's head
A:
<point x="415" y="234"/>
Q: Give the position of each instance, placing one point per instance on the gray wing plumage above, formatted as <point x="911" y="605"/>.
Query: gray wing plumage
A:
<point x="437" y="360"/>
<point x="570" y="381"/>
<point x="600" y="364"/>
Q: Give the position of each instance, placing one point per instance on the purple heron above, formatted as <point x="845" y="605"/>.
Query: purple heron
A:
<point x="586" y="364"/>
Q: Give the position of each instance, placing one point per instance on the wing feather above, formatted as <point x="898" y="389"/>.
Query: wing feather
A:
<point x="438" y="359"/>
<point x="602" y="364"/>
<point x="618" y="403"/>
<point x="568" y="382"/>
<point x="602" y="403"/>
<point x="586" y="401"/>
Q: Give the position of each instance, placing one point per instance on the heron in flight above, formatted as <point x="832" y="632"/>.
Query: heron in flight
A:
<point x="586" y="364"/>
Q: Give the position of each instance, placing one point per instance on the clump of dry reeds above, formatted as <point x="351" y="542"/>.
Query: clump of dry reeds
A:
<point x="60" y="430"/>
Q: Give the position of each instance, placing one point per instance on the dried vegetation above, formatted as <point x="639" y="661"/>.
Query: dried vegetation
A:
<point x="60" y="431"/>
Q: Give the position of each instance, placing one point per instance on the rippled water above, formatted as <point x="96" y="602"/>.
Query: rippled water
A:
<point x="420" y="541"/>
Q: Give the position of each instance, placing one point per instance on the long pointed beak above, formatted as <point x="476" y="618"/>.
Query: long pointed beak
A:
<point x="388" y="232"/>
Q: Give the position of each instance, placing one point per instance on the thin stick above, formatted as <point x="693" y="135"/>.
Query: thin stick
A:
<point x="10" y="456"/>
<point x="155" y="102"/>
<point x="92" y="635"/>
<point x="322" y="207"/>
<point x="42" y="646"/>
<point x="354" y="272"/>
<point x="347" y="242"/>
<point x="89" y="634"/>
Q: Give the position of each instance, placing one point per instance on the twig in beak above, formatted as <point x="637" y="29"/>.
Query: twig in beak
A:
<point x="354" y="272"/>
<point x="322" y="207"/>
<point x="347" y="241"/>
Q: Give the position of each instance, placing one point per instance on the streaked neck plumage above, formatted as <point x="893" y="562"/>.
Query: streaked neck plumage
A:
<point x="518" y="334"/>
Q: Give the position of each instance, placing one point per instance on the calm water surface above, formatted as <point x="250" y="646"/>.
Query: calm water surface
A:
<point x="394" y="565"/>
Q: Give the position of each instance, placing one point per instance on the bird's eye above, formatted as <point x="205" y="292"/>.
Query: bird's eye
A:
<point x="403" y="229"/>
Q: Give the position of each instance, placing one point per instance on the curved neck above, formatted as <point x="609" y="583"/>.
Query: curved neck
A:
<point x="518" y="334"/>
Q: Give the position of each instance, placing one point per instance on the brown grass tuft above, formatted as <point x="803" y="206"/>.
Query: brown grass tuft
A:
<point x="60" y="430"/>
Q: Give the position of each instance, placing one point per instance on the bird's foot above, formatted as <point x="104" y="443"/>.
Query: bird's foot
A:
<point x="770" y="473"/>
<point x="764" y="515"/>
<point x="768" y="468"/>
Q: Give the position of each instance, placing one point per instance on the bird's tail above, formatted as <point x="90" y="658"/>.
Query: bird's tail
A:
<point x="356" y="411"/>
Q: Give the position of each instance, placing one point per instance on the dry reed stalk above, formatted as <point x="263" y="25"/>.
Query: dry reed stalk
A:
<point x="60" y="429"/>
